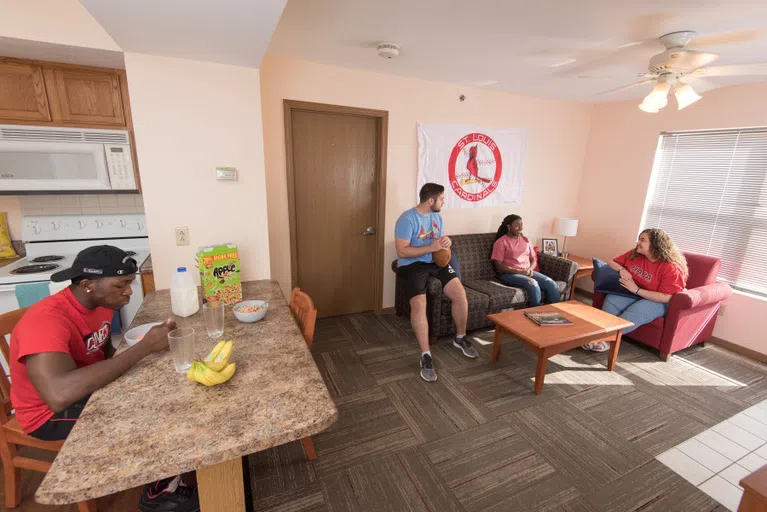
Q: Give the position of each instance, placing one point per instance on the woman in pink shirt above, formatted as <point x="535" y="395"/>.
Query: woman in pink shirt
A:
<point x="514" y="260"/>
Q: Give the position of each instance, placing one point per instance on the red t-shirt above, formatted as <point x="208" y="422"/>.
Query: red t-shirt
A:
<point x="514" y="252"/>
<point x="657" y="276"/>
<point x="58" y="323"/>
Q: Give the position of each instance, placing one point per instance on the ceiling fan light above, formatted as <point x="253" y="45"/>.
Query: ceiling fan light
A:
<point x="658" y="98"/>
<point x="685" y="96"/>
<point x="645" y="107"/>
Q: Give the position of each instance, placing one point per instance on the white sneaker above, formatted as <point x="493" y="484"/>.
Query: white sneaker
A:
<point x="597" y="346"/>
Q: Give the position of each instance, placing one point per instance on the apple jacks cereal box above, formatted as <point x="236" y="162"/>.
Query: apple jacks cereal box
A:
<point x="220" y="273"/>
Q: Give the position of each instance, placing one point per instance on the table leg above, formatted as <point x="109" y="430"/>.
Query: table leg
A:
<point x="497" y="343"/>
<point x="540" y="372"/>
<point x="612" y="356"/>
<point x="221" y="487"/>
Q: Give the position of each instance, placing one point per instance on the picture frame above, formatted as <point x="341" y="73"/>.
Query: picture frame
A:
<point x="550" y="246"/>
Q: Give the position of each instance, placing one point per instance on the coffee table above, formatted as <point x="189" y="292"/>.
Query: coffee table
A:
<point x="589" y="324"/>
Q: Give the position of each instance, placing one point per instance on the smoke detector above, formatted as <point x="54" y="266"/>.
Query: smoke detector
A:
<point x="388" y="50"/>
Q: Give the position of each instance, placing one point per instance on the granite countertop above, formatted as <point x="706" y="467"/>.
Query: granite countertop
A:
<point x="152" y="423"/>
<point x="146" y="267"/>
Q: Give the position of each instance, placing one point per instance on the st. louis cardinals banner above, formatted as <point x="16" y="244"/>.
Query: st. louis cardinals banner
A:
<point x="478" y="167"/>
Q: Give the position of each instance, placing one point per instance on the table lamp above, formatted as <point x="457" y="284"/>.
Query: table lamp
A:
<point x="565" y="227"/>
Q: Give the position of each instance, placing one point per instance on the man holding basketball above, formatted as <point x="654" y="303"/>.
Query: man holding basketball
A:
<point x="418" y="234"/>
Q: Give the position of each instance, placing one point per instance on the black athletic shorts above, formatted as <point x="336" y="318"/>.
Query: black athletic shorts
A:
<point x="61" y="423"/>
<point x="417" y="274"/>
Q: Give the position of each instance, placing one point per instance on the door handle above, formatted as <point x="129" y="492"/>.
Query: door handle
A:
<point x="369" y="231"/>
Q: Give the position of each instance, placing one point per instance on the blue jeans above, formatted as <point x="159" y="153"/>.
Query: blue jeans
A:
<point x="639" y="311"/>
<point x="533" y="286"/>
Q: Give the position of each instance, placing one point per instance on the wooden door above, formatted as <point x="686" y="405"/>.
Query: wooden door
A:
<point x="22" y="93"/>
<point x="86" y="97"/>
<point x="335" y="194"/>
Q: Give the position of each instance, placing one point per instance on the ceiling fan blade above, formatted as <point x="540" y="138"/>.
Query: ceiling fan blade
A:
<point x="699" y="85"/>
<point x="691" y="59"/>
<point x="733" y="70"/>
<point x="622" y="87"/>
<point x="743" y="36"/>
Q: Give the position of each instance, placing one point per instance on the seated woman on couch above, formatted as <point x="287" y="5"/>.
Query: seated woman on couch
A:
<point x="653" y="271"/>
<point x="514" y="259"/>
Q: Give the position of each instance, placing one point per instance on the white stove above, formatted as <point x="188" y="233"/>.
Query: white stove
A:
<point x="52" y="242"/>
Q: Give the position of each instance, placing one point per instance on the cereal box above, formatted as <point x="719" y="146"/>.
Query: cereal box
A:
<point x="220" y="273"/>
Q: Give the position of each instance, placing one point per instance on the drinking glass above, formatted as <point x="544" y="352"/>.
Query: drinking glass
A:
<point x="181" y="342"/>
<point x="214" y="318"/>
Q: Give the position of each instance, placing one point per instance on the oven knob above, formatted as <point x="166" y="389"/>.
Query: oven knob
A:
<point x="56" y="225"/>
<point x="99" y="224"/>
<point x="122" y="224"/>
<point x="140" y="226"/>
<point x="81" y="224"/>
<point x="36" y="230"/>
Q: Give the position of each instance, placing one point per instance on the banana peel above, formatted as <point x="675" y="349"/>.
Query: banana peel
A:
<point x="219" y="361"/>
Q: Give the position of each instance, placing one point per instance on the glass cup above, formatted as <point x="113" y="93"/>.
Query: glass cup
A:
<point x="181" y="342"/>
<point x="214" y="318"/>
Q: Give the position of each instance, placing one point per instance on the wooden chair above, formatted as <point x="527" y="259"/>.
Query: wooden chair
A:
<point x="11" y="435"/>
<point x="306" y="315"/>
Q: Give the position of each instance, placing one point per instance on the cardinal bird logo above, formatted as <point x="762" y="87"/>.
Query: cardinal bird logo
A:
<point x="472" y="167"/>
<point x="431" y="234"/>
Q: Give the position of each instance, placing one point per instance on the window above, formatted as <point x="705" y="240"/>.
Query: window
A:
<point x="709" y="192"/>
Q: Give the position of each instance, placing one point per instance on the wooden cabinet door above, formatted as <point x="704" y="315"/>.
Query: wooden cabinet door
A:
<point x="86" y="97"/>
<point x="22" y="93"/>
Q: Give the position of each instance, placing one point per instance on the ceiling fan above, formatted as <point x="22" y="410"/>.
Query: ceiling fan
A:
<point x="678" y="65"/>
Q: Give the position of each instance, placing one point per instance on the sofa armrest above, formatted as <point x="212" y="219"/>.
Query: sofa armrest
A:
<point x="559" y="269"/>
<point x="701" y="296"/>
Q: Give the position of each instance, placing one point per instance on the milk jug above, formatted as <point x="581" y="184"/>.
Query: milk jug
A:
<point x="183" y="294"/>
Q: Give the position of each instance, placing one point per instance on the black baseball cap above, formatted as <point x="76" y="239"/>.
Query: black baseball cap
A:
<point x="97" y="262"/>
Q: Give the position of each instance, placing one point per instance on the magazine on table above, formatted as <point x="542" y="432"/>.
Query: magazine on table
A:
<point x="547" y="318"/>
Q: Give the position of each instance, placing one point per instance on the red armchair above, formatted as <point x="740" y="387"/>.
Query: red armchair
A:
<point x="691" y="314"/>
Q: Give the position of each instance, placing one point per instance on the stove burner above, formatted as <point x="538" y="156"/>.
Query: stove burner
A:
<point x="130" y="253"/>
<point x="34" y="269"/>
<point x="46" y="259"/>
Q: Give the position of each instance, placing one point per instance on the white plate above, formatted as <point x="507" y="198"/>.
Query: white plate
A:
<point x="131" y="337"/>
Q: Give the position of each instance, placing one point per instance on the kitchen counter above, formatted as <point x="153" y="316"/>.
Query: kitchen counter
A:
<point x="146" y="267"/>
<point x="152" y="423"/>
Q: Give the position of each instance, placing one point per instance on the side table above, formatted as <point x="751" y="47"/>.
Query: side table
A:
<point x="585" y="266"/>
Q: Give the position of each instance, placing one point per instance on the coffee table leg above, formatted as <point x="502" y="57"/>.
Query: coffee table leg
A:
<point x="497" y="342"/>
<point x="540" y="372"/>
<point x="612" y="356"/>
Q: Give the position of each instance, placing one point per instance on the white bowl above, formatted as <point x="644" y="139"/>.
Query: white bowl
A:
<point x="137" y="333"/>
<point x="250" y="317"/>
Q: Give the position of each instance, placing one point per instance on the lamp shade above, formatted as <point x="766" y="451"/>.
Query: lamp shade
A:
<point x="566" y="226"/>
<point x="685" y="96"/>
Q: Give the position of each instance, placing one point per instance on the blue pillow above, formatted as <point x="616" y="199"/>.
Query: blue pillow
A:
<point x="607" y="280"/>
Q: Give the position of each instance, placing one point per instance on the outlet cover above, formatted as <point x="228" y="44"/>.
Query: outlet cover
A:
<point x="182" y="236"/>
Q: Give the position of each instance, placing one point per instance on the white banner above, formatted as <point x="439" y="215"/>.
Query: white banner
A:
<point x="478" y="168"/>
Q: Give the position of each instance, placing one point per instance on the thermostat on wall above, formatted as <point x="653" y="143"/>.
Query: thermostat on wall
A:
<point x="226" y="173"/>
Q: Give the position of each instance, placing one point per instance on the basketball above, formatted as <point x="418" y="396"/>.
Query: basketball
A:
<point x="442" y="257"/>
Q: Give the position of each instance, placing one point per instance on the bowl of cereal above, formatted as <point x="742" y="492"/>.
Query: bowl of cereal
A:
<point x="250" y="311"/>
<point x="137" y="333"/>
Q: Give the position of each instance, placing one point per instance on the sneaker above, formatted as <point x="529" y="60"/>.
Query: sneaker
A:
<point x="428" y="373"/>
<point x="168" y="496"/>
<point x="466" y="347"/>
<point x="596" y="346"/>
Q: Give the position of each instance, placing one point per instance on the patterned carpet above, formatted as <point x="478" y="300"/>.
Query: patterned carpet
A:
<point x="479" y="440"/>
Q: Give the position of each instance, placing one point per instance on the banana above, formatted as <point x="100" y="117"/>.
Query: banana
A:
<point x="199" y="374"/>
<point x="206" y="374"/>
<point x="213" y="353"/>
<point x="221" y="359"/>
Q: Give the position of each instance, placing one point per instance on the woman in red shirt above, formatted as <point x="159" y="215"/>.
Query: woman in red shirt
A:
<point x="653" y="271"/>
<point x="514" y="259"/>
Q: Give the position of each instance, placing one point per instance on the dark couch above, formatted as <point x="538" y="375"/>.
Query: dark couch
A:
<point x="485" y="293"/>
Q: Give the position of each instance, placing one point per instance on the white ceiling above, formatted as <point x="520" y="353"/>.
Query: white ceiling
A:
<point x="225" y="31"/>
<point x="516" y="42"/>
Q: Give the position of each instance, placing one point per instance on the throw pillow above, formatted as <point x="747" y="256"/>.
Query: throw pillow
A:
<point x="537" y="266"/>
<point x="607" y="280"/>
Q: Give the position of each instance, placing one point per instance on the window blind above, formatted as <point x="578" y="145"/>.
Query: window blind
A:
<point x="709" y="192"/>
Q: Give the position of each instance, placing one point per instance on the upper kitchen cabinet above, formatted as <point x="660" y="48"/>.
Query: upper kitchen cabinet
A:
<point x="90" y="97"/>
<point x="22" y="93"/>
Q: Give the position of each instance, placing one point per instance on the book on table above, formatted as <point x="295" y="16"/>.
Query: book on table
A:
<point x="547" y="318"/>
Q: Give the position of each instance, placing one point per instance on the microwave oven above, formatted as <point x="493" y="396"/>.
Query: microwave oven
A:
<point x="39" y="159"/>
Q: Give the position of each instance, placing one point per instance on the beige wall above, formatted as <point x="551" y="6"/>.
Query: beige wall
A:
<point x="558" y="137"/>
<point x="64" y="22"/>
<point x="616" y="176"/>
<point x="190" y="117"/>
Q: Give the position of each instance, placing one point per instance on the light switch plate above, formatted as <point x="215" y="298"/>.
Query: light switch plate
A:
<point x="226" y="173"/>
<point x="182" y="236"/>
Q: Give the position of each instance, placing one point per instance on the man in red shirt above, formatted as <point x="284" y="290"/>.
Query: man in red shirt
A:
<point x="61" y="352"/>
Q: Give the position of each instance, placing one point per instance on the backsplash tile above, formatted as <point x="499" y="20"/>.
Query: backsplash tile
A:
<point x="85" y="204"/>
